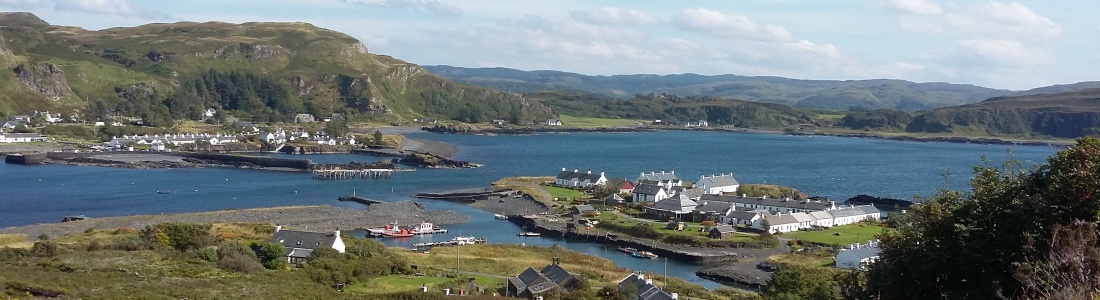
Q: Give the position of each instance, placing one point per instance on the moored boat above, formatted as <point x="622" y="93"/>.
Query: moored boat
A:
<point x="627" y="250"/>
<point x="500" y="217"/>
<point x="644" y="254"/>
<point x="528" y="234"/>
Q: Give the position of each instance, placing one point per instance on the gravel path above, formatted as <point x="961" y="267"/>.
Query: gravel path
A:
<point x="313" y="218"/>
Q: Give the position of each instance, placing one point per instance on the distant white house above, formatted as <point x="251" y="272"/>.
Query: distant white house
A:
<point x="858" y="256"/>
<point x="299" y="244"/>
<point x="718" y="184"/>
<point x="553" y="122"/>
<point x="665" y="179"/>
<point x="579" y="179"/>
<point x="210" y="112"/>
<point x="303" y="118"/>
<point x="649" y="193"/>
<point x="741" y="217"/>
<point x="777" y="223"/>
<point x="11" y="124"/>
<point x="21" y="137"/>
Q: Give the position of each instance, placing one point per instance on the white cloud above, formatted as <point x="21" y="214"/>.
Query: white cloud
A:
<point x="923" y="7"/>
<point x="21" y="4"/>
<point x="614" y="16"/>
<point x="1013" y="19"/>
<point x="993" y="53"/>
<point x="433" y="7"/>
<point x="730" y="26"/>
<point x="109" y="7"/>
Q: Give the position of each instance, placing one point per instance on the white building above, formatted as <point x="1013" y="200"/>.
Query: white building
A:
<point x="718" y="184"/>
<point x="649" y="193"/>
<point x="773" y="205"/>
<point x="777" y="223"/>
<point x="665" y="179"/>
<point x="299" y="244"/>
<point x="579" y="179"/>
<point x="553" y="122"/>
<point x="21" y="137"/>
<point x="858" y="256"/>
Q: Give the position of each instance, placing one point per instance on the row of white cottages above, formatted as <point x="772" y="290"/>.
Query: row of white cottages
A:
<point x="169" y="139"/>
<point x="782" y="215"/>
<point x="281" y="136"/>
<point x="653" y="186"/>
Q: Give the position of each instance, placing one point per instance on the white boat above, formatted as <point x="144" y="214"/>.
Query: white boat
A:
<point x="500" y="217"/>
<point x="529" y="234"/>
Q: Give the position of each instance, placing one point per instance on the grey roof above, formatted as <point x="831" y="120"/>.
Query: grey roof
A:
<point x="848" y="212"/>
<point x="579" y="176"/>
<point x="742" y="215"/>
<point x="584" y="208"/>
<point x="724" y="229"/>
<point x="716" y="181"/>
<point x="553" y="120"/>
<point x="21" y="135"/>
<point x="693" y="193"/>
<point x="558" y="275"/>
<point x="534" y="282"/>
<point x="613" y="198"/>
<point x="774" y="202"/>
<point x="869" y="209"/>
<point x="659" y="177"/>
<point x="677" y="203"/>
<point x="802" y="217"/>
<point x="864" y="251"/>
<point x="647" y="189"/>
<point x="304" y="239"/>
<point x="821" y="215"/>
<point x="644" y="290"/>
<point x="780" y="220"/>
<point x="713" y="206"/>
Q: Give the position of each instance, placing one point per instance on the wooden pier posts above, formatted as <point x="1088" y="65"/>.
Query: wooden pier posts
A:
<point x="336" y="174"/>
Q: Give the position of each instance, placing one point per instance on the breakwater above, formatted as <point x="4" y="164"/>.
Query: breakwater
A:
<point x="561" y="229"/>
<point x="470" y="195"/>
<point x="25" y="159"/>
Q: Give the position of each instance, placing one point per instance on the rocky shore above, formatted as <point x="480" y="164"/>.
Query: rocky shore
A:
<point x="313" y="218"/>
<point x="945" y="139"/>
<point x="466" y="129"/>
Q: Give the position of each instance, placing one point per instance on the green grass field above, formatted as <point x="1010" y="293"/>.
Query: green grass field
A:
<point x="402" y="283"/>
<point x="571" y="121"/>
<point x="558" y="192"/>
<point x="853" y="233"/>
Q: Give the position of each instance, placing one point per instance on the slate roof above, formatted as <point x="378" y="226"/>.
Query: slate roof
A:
<point x="742" y="215"/>
<point x="647" y="189"/>
<point x="802" y="217"/>
<point x="613" y="198"/>
<point x="579" y="176"/>
<point x="644" y="290"/>
<point x="303" y="239"/>
<point x="584" y="208"/>
<point x="724" y="229"/>
<point x="693" y="193"/>
<point x="773" y="202"/>
<point x="659" y="177"/>
<point x="533" y="282"/>
<point x="716" y="181"/>
<point x="21" y="135"/>
<point x="558" y="275"/>
<point x="780" y="220"/>
<point x="864" y="251"/>
<point x="713" y="206"/>
<point x="869" y="209"/>
<point x="848" y="212"/>
<point x="679" y="203"/>
<point x="821" y="215"/>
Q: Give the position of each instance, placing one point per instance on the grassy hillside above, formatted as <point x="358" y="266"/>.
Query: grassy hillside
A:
<point x="136" y="70"/>
<point x="1063" y="115"/>
<point x="671" y="109"/>
<point x="824" y="94"/>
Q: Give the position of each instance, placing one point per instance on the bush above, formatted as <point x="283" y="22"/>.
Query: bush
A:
<point x="180" y="236"/>
<point x="208" y="253"/>
<point x="271" y="255"/>
<point x="45" y="249"/>
<point x="240" y="263"/>
<point x="128" y="243"/>
<point x="677" y="239"/>
<point x="235" y="248"/>
<point x="95" y="246"/>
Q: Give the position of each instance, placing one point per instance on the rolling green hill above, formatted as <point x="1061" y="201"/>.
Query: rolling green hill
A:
<point x="1062" y="115"/>
<point x="258" y="71"/>
<point x="820" y="94"/>
<point x="672" y="109"/>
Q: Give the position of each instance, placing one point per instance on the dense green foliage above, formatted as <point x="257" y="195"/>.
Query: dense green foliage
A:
<point x="1000" y="239"/>
<point x="672" y="109"/>
<point x="362" y="260"/>
<point x="801" y="283"/>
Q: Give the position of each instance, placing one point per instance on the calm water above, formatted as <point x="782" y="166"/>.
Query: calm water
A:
<point x="833" y="167"/>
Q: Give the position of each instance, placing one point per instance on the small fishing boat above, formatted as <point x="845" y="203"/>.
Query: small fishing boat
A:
<point x="627" y="250"/>
<point x="528" y="233"/>
<point x="162" y="192"/>
<point x="644" y="254"/>
<point x="500" y="217"/>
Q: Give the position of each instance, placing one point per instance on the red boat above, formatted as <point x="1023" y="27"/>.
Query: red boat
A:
<point x="402" y="233"/>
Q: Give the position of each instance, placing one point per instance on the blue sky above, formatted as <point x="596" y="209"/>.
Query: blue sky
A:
<point x="1008" y="45"/>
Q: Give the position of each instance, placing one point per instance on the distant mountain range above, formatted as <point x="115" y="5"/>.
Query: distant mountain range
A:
<point x="821" y="94"/>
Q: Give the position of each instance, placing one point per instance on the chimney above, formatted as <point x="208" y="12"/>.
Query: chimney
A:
<point x="279" y="227"/>
<point x="557" y="261"/>
<point x="576" y="170"/>
<point x="589" y="171"/>
<point x="447" y="292"/>
<point x="601" y="174"/>
<point x="672" y="172"/>
<point x="675" y="296"/>
<point x="337" y="234"/>
<point x="649" y="281"/>
<point x="641" y="276"/>
<point x="744" y="195"/>
<point x="563" y="169"/>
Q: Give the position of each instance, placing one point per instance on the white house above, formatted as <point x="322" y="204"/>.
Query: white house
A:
<point x="672" y="207"/>
<point x="303" y="118"/>
<point x="579" y="179"/>
<point x="773" y="205"/>
<point x="804" y="219"/>
<point x="665" y="179"/>
<point x="11" y="124"/>
<point x="741" y="217"/>
<point x="299" y="244"/>
<point x="777" y="223"/>
<point x="718" y="184"/>
<point x="857" y="256"/>
<point x="648" y="193"/>
<point x="553" y="122"/>
<point x="822" y="218"/>
<point x="210" y="112"/>
<point x="854" y="214"/>
<point x="21" y="137"/>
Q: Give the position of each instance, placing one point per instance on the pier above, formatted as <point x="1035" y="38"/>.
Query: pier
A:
<point x="360" y="200"/>
<point x="336" y="174"/>
<point x="456" y="242"/>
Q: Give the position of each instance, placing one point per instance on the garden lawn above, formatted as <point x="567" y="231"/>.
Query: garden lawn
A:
<point x="571" y="121"/>
<point x="569" y="194"/>
<point x="853" y="233"/>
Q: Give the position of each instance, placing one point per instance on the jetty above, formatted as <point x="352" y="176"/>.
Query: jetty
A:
<point x="360" y="200"/>
<point x="337" y="174"/>
<point x="470" y="195"/>
<point x="457" y="241"/>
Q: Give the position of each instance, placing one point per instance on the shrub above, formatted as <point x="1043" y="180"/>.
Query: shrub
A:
<point x="208" y="253"/>
<point x="180" y="236"/>
<point x="240" y="263"/>
<point x="271" y="255"/>
<point x="128" y="243"/>
<point x="232" y="248"/>
<point x="45" y="249"/>
<point x="95" y="246"/>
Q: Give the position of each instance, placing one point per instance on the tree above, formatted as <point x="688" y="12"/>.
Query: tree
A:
<point x="21" y="128"/>
<point x="958" y="245"/>
<point x="796" y="282"/>
<point x="377" y="140"/>
<point x="337" y="128"/>
<point x="272" y="255"/>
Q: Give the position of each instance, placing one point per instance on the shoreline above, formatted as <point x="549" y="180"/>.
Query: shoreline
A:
<point x="310" y="218"/>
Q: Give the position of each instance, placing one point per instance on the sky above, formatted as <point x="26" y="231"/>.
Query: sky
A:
<point x="997" y="44"/>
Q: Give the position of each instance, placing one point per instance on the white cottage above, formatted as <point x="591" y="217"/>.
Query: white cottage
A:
<point x="649" y="193"/>
<point x="718" y="184"/>
<point x="857" y="256"/>
<point x="299" y="244"/>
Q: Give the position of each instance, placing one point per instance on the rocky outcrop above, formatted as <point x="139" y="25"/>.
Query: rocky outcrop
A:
<point x="428" y="160"/>
<point x="45" y="79"/>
